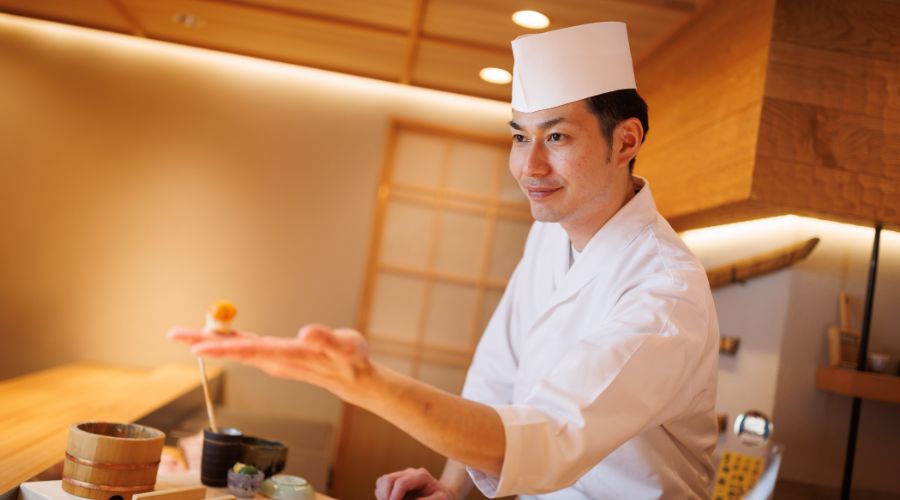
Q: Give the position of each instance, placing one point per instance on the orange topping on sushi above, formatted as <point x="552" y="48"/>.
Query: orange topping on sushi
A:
<point x="223" y="311"/>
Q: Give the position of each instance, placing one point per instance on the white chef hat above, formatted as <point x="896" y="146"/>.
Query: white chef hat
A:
<point x="567" y="65"/>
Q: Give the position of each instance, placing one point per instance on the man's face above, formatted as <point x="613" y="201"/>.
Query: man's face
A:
<point x="562" y="163"/>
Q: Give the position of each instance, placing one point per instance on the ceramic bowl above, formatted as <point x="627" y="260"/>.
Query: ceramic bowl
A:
<point x="264" y="454"/>
<point x="285" y="487"/>
<point x="244" y="485"/>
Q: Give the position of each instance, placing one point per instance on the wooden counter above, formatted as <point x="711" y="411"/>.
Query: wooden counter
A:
<point x="52" y="490"/>
<point x="36" y="410"/>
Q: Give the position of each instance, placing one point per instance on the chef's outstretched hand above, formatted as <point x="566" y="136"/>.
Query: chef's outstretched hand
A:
<point x="411" y="483"/>
<point x="331" y="359"/>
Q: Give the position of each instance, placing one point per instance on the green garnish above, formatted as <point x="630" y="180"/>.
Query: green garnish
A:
<point x="248" y="469"/>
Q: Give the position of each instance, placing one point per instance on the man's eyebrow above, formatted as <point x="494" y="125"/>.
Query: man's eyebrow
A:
<point x="543" y="125"/>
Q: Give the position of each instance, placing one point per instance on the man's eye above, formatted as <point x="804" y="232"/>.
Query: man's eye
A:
<point x="555" y="137"/>
<point x="518" y="138"/>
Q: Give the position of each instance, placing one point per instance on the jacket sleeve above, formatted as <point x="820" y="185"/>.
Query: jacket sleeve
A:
<point x="626" y="375"/>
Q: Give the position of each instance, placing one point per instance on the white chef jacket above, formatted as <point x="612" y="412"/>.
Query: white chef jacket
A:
<point x="604" y="374"/>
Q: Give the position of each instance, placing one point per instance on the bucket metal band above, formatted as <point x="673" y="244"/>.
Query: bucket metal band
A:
<point x="100" y="465"/>
<point x="105" y="487"/>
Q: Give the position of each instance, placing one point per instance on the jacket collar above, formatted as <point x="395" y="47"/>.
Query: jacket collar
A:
<point x="614" y="237"/>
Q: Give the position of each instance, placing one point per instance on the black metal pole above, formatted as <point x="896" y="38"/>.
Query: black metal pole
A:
<point x="861" y="366"/>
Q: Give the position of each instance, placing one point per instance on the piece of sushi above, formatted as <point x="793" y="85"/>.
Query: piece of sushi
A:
<point x="219" y="316"/>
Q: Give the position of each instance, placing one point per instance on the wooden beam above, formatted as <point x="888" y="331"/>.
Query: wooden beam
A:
<point x="412" y="49"/>
<point x="676" y="5"/>
<point x="758" y="265"/>
<point x="130" y="20"/>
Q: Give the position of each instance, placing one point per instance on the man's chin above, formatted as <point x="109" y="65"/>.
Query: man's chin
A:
<point x="540" y="214"/>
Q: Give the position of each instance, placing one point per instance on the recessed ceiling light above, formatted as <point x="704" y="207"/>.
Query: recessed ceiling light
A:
<point x="495" y="75"/>
<point x="531" y="19"/>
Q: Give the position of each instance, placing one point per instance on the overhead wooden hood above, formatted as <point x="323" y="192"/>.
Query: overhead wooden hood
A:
<point x="767" y="107"/>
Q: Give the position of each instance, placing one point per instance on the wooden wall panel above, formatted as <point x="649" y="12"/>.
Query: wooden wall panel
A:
<point x="863" y="28"/>
<point x="829" y="140"/>
<point x="93" y="13"/>
<point x="704" y="89"/>
<point x="790" y="107"/>
<point x="833" y="80"/>
<point x="814" y="135"/>
<point x="690" y="178"/>
<point x="828" y="193"/>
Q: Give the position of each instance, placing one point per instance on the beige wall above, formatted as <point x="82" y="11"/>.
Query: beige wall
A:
<point x="139" y="181"/>
<point x="782" y="319"/>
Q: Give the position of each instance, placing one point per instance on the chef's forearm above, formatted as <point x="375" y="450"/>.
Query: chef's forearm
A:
<point x="469" y="432"/>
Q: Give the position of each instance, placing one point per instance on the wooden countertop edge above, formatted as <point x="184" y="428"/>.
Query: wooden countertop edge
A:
<point x="47" y="446"/>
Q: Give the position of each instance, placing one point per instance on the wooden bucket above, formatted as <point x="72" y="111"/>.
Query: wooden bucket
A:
<point x="107" y="461"/>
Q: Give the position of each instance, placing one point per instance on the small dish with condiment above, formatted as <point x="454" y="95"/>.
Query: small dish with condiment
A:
<point x="287" y="487"/>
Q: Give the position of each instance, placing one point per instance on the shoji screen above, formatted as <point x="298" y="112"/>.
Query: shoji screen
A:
<point x="450" y="226"/>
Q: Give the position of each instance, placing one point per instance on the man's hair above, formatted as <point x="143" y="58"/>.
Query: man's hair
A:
<point x="614" y="107"/>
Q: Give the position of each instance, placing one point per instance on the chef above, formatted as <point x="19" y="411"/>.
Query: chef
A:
<point x="596" y="376"/>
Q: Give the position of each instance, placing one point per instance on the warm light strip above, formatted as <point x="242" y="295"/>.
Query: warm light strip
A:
<point x="242" y="66"/>
<point x="717" y="244"/>
<point x="782" y="225"/>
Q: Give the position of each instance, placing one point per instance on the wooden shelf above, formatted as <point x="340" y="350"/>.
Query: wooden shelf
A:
<point x="864" y="385"/>
<point x="39" y="408"/>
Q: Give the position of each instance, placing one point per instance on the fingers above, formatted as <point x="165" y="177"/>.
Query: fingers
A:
<point x="318" y="337"/>
<point x="413" y="480"/>
<point x="193" y="335"/>
<point x="408" y="483"/>
<point x="353" y="342"/>
<point x="187" y="335"/>
<point x="343" y="342"/>
<point x="385" y="484"/>
<point x="245" y="348"/>
<point x="383" y="487"/>
<point x="397" y="485"/>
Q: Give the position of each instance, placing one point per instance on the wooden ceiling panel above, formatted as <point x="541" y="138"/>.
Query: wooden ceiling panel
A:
<point x="439" y="44"/>
<point x="236" y="28"/>
<point x="393" y="14"/>
<point x="93" y="13"/>
<point x="489" y="22"/>
<point x="453" y="68"/>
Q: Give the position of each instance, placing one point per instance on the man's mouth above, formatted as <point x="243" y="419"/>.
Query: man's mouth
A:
<point x="540" y="193"/>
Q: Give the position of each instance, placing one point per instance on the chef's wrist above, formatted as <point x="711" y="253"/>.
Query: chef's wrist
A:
<point x="454" y="490"/>
<point x="359" y="387"/>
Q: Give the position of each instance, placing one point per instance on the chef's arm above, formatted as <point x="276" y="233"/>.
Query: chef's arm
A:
<point x="337" y="360"/>
<point x="463" y="430"/>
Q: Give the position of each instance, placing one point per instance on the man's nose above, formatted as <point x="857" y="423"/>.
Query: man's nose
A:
<point x="536" y="164"/>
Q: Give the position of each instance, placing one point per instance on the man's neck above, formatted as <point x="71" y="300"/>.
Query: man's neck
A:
<point x="582" y="230"/>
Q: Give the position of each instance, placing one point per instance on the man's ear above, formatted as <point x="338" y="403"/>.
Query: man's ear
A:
<point x="627" y="139"/>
